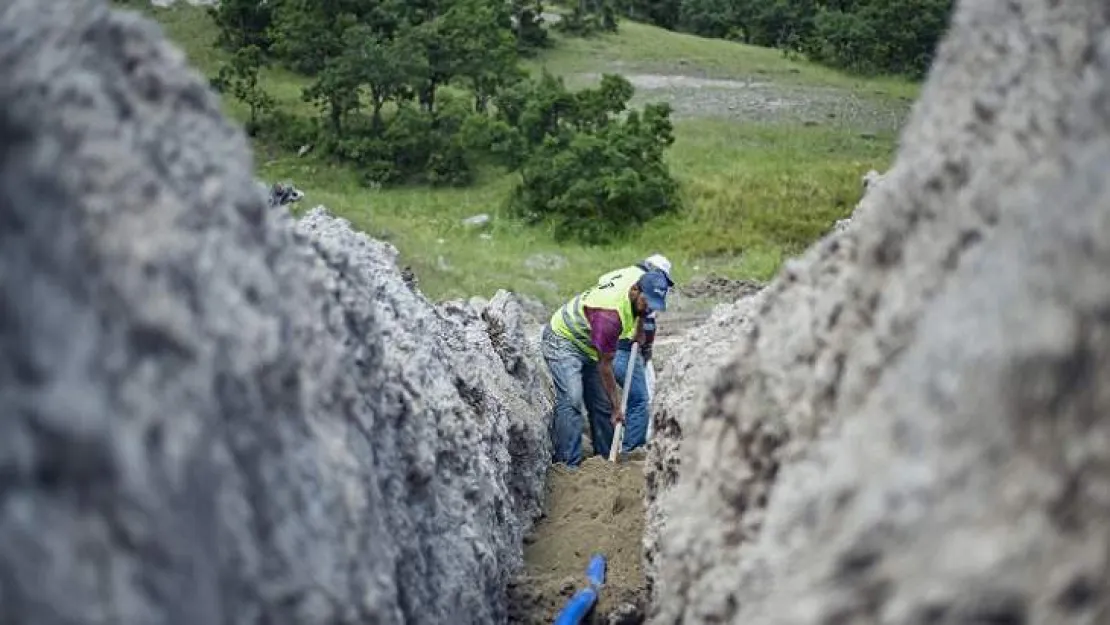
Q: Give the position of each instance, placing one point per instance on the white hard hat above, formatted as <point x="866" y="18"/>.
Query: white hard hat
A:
<point x="661" y="263"/>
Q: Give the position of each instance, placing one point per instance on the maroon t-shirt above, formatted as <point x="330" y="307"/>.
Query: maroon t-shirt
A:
<point x="605" y="329"/>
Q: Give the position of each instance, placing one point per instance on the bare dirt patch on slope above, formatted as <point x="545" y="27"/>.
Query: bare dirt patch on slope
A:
<point x="754" y="100"/>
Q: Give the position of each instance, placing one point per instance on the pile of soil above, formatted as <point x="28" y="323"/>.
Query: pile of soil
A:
<point x="596" y="508"/>
<point x="718" y="287"/>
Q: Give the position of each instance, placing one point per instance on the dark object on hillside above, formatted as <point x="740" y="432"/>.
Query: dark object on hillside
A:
<point x="284" y="194"/>
<point x="409" y="277"/>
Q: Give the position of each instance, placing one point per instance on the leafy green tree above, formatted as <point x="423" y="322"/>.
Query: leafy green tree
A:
<point x="536" y="110"/>
<point x="308" y="33"/>
<point x="708" y="18"/>
<point x="588" y="17"/>
<point x="871" y="36"/>
<point x="527" y="16"/>
<point x="663" y="13"/>
<point x="388" y="69"/>
<point x="863" y="36"/>
<point x="477" y="40"/>
<point x="239" y="77"/>
<point x="242" y="23"/>
<point x="589" y="166"/>
<point x="337" y="88"/>
<point x="420" y="91"/>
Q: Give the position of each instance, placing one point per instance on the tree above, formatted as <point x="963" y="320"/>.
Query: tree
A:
<point x="308" y="33"/>
<point x="586" y="170"/>
<point x="239" y="77"/>
<point x="388" y="68"/>
<point x="478" y="40"/>
<point x="336" y="88"/>
<point x="242" y="23"/>
<point x="663" y="13"/>
<point x="863" y="36"/>
<point x="420" y="90"/>
<point x="527" y="16"/>
<point x="869" y="36"/>
<point x="588" y="17"/>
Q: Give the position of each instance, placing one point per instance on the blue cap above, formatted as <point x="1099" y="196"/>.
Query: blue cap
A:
<point x="654" y="285"/>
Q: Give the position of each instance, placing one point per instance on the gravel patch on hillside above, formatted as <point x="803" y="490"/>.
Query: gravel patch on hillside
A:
<point x="763" y="101"/>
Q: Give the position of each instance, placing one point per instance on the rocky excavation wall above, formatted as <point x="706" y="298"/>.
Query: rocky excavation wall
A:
<point x="682" y="383"/>
<point x="697" y="362"/>
<point x="914" y="428"/>
<point x="212" y="414"/>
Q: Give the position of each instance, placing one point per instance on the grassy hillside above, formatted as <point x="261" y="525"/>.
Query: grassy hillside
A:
<point x="769" y="152"/>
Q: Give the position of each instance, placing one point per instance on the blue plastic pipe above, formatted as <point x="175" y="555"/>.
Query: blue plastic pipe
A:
<point x="577" y="608"/>
<point x="595" y="571"/>
<point x="579" y="605"/>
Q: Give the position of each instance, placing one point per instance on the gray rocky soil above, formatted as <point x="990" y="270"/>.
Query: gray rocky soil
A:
<point x="689" y="309"/>
<point x="214" y="414"/>
<point x="910" y="428"/>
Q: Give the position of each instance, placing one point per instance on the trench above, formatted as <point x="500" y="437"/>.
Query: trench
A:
<point x="596" y="508"/>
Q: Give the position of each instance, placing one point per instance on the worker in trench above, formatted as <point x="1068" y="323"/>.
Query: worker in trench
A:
<point x="580" y="345"/>
<point x="638" y="411"/>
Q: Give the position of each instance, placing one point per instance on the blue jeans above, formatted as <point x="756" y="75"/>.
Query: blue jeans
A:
<point x="577" y="381"/>
<point x="636" y="413"/>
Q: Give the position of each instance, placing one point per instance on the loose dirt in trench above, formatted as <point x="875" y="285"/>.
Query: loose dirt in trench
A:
<point x="597" y="508"/>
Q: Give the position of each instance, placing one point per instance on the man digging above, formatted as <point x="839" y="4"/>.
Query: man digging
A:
<point x="637" y="412"/>
<point x="580" y="344"/>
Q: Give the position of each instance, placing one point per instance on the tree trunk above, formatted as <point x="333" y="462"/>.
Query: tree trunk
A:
<point x="428" y="96"/>
<point x="336" y="118"/>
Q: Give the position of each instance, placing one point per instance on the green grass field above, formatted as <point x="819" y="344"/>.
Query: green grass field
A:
<point x="755" y="192"/>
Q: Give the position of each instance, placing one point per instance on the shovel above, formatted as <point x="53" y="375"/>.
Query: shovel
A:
<point x="649" y="377"/>
<point x="618" y="432"/>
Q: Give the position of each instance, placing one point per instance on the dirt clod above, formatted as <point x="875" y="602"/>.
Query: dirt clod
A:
<point x="626" y="614"/>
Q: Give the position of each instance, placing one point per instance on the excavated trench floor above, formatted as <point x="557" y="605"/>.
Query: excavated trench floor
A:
<point x="597" y="508"/>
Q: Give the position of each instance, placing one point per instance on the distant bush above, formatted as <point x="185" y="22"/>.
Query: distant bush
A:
<point x="528" y="26"/>
<point x="863" y="36"/>
<point x="588" y="165"/>
<point x="588" y="17"/>
<point x="239" y="78"/>
<point x="243" y="23"/>
<point x="892" y="37"/>
<point x="428" y="93"/>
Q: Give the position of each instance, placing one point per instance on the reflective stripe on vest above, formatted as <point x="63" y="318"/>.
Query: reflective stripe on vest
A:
<point x="573" y="314"/>
<point x="570" y="319"/>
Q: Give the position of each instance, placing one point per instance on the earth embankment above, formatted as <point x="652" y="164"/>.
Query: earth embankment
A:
<point x="213" y="413"/>
<point x="910" y="430"/>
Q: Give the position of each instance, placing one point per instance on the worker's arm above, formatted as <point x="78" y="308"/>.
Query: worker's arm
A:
<point x="605" y="332"/>
<point x="647" y="336"/>
<point x="609" y="381"/>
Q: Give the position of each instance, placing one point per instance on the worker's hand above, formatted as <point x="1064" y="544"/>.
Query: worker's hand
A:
<point x="617" y="417"/>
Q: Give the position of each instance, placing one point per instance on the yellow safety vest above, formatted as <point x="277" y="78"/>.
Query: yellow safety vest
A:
<point x="613" y="275"/>
<point x="570" y="320"/>
<point x="636" y="270"/>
